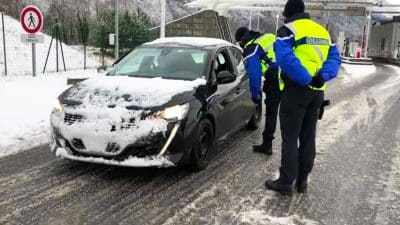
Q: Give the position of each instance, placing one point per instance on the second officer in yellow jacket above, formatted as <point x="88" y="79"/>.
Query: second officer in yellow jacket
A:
<point x="260" y="61"/>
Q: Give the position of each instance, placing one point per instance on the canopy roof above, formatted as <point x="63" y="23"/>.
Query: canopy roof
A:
<point x="356" y="6"/>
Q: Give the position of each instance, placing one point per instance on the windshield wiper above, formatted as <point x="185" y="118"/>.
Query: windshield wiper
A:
<point x="143" y="76"/>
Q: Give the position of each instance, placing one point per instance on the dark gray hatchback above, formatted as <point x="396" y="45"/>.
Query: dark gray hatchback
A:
<point x="166" y="103"/>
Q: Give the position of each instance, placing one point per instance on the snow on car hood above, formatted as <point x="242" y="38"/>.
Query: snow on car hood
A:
<point x="109" y="91"/>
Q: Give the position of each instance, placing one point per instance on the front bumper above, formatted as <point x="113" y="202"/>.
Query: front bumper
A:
<point x="155" y="161"/>
<point x="153" y="151"/>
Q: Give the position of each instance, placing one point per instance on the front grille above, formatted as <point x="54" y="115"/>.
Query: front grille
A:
<point x="112" y="148"/>
<point x="78" y="144"/>
<point x="70" y="119"/>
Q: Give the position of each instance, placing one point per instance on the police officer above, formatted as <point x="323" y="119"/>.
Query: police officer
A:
<point x="307" y="59"/>
<point x="259" y="59"/>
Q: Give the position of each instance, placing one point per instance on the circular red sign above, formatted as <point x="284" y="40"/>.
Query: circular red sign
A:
<point x="31" y="26"/>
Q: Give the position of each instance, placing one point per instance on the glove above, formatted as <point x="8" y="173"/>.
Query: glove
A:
<point x="317" y="81"/>
<point x="257" y="100"/>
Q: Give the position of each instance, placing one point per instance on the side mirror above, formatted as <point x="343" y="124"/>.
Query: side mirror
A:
<point x="225" y="77"/>
<point x="102" y="68"/>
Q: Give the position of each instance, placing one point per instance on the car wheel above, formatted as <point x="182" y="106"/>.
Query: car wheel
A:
<point x="203" y="146"/>
<point x="255" y="120"/>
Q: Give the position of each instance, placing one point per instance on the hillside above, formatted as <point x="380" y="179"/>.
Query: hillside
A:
<point x="175" y="9"/>
<point x="19" y="54"/>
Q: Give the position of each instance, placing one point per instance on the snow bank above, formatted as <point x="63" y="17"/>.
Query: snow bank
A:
<point x="358" y="72"/>
<point x="26" y="103"/>
<point x="393" y="81"/>
<point x="19" y="55"/>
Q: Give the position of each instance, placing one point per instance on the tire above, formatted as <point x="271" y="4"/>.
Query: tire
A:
<point x="256" y="118"/>
<point x="203" y="146"/>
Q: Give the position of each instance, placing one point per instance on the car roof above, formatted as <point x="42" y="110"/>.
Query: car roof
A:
<point x="197" y="42"/>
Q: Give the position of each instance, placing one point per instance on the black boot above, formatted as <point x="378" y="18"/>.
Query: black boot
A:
<point x="265" y="148"/>
<point x="301" y="184"/>
<point x="278" y="186"/>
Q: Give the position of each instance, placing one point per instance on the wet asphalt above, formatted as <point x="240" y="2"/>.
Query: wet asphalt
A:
<point x="355" y="179"/>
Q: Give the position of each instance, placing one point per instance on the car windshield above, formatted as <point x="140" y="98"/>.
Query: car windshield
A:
<point x="166" y="62"/>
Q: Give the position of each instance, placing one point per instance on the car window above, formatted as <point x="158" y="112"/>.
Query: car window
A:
<point x="237" y="60"/>
<point x="165" y="62"/>
<point x="222" y="62"/>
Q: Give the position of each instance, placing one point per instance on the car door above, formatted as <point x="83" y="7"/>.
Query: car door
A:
<point x="225" y="97"/>
<point x="245" y="107"/>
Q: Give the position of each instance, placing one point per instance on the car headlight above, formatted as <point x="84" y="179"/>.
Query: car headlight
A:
<point x="175" y="113"/>
<point x="58" y="108"/>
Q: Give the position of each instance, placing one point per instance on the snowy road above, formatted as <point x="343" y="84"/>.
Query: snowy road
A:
<point x="356" y="178"/>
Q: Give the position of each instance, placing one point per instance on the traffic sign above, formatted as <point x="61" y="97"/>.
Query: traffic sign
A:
<point x="31" y="19"/>
<point x="32" y="38"/>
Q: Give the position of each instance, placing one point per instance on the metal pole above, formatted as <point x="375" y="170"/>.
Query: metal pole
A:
<point x="162" y="27"/>
<point x="277" y="23"/>
<point x="48" y="52"/>
<point x="57" y="44"/>
<point x="4" y="44"/>
<point x="84" y="55"/>
<point x="34" y="59"/>
<point x="258" y="22"/>
<point x="367" y="36"/>
<point x="251" y="20"/>
<point x="62" y="55"/>
<point x="116" y="29"/>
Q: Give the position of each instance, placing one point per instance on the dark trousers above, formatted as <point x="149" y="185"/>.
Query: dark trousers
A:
<point x="272" y="101"/>
<point x="298" y="117"/>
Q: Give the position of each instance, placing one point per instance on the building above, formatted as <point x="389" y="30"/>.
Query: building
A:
<point x="384" y="41"/>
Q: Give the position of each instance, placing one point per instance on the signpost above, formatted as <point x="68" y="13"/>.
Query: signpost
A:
<point x="32" y="22"/>
<point x="4" y="44"/>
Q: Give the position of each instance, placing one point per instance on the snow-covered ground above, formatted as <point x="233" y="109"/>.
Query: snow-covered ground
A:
<point x="19" y="55"/>
<point x="357" y="72"/>
<point x="26" y="103"/>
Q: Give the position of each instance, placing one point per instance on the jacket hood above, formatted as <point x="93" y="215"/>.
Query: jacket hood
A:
<point x="129" y="92"/>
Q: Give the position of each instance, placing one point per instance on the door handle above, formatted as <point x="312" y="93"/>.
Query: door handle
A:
<point x="238" y="91"/>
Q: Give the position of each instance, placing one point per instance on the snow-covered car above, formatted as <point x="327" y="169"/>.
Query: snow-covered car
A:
<point x="166" y="103"/>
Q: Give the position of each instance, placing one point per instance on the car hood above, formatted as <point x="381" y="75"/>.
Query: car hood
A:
<point x="129" y="92"/>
